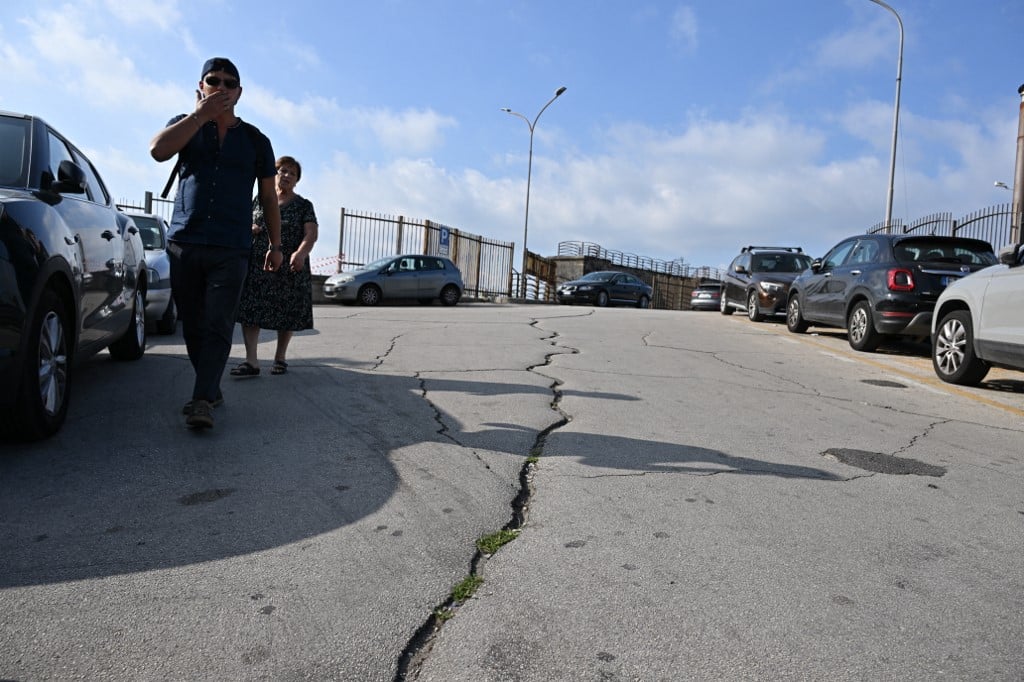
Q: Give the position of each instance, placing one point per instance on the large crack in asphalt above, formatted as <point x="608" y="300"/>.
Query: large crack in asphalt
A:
<point x="419" y="645"/>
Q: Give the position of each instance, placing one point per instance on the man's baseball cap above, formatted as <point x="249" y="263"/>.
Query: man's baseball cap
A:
<point x="220" y="64"/>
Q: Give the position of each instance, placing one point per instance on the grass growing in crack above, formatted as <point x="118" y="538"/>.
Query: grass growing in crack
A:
<point x="465" y="589"/>
<point x="444" y="614"/>
<point x="489" y="544"/>
<point x="533" y="459"/>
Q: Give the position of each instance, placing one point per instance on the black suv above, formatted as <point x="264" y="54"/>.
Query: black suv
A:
<point x="758" y="280"/>
<point x="72" y="275"/>
<point x="876" y="285"/>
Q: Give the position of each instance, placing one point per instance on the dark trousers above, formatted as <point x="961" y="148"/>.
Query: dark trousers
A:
<point x="206" y="282"/>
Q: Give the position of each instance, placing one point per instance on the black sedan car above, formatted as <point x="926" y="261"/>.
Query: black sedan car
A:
<point x="879" y="285"/>
<point x="72" y="275"/>
<point x="606" y="287"/>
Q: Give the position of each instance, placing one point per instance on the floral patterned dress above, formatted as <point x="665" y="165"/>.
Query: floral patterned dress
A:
<point x="281" y="300"/>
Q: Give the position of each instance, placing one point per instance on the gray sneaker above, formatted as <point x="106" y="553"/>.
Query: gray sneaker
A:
<point x="200" y="416"/>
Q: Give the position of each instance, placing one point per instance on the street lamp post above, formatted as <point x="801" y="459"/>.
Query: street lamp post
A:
<point x="895" y="119"/>
<point x="1017" y="221"/>
<point x="529" y="171"/>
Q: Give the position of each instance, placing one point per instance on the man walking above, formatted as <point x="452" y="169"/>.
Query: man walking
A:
<point x="220" y="157"/>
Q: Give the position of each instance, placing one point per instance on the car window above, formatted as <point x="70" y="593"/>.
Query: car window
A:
<point x="836" y="256"/>
<point x="865" y="251"/>
<point x="13" y="151"/>
<point x="58" y="152"/>
<point x="93" y="185"/>
<point x="963" y="251"/>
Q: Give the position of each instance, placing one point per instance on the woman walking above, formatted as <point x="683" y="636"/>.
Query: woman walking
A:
<point x="282" y="300"/>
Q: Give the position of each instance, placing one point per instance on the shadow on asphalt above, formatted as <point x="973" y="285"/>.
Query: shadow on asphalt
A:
<point x="126" y="488"/>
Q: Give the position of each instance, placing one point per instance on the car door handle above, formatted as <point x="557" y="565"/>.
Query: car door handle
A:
<point x="107" y="234"/>
<point x="854" y="272"/>
<point x="133" y="230"/>
<point x="71" y="241"/>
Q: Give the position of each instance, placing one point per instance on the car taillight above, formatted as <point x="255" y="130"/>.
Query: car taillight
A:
<point x="901" y="279"/>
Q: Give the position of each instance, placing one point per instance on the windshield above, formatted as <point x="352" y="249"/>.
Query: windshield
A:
<point x="597" y="277"/>
<point x="779" y="262"/>
<point x="375" y="265"/>
<point x="149" y="230"/>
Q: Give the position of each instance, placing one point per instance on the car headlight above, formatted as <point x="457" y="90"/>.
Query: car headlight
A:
<point x="770" y="288"/>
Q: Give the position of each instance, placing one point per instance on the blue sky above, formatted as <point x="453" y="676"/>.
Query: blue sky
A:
<point x="687" y="130"/>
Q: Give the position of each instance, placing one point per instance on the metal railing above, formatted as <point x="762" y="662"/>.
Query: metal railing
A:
<point x="486" y="264"/>
<point x="676" y="268"/>
<point x="991" y="224"/>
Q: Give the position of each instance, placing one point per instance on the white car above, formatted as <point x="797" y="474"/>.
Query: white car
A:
<point x="979" y="321"/>
<point x="160" y="311"/>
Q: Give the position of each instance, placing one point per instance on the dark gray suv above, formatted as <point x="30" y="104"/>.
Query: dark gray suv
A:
<point x="757" y="281"/>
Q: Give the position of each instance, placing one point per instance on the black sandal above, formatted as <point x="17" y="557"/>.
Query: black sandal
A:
<point x="244" y="370"/>
<point x="280" y="367"/>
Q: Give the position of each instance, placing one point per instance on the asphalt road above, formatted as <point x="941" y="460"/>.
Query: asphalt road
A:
<point x="711" y="499"/>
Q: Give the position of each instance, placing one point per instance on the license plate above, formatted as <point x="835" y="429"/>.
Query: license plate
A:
<point x="703" y="295"/>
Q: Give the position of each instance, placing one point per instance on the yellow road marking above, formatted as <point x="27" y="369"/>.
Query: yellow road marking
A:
<point x="932" y="380"/>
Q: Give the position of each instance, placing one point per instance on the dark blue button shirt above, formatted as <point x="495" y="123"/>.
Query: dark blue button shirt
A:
<point x="213" y="205"/>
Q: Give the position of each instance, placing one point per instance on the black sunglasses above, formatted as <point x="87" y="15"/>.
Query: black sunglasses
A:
<point x="215" y="81"/>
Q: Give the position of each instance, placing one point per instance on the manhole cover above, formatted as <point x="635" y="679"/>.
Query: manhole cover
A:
<point x="881" y="463"/>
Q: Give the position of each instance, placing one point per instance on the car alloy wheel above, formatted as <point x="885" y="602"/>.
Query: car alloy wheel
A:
<point x="132" y="344"/>
<point x="953" y="351"/>
<point x="369" y="295"/>
<point x="45" y="376"/>
<point x="723" y="304"/>
<point x="752" y="312"/>
<point x="53" y="363"/>
<point x="602" y="299"/>
<point x="860" y="328"/>
<point x="795" y="321"/>
<point x="450" y="295"/>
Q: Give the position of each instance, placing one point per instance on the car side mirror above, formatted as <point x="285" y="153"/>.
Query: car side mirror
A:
<point x="70" y="179"/>
<point x="1012" y="255"/>
<point x="740" y="270"/>
<point x="816" y="265"/>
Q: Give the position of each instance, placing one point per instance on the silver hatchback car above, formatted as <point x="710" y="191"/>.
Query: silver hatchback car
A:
<point x="409" y="276"/>
<point x="160" y="311"/>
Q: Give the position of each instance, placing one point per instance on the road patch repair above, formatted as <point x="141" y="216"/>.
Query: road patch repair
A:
<point x="881" y="463"/>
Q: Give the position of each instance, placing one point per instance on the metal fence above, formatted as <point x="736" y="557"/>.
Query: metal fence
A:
<point x="676" y="268"/>
<point x="486" y="264"/>
<point x="991" y="224"/>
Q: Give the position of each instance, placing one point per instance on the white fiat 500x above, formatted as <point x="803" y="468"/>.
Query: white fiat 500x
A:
<point x="979" y="321"/>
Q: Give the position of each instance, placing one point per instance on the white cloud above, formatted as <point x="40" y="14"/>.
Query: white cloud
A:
<point x="683" y="28"/>
<point x="409" y="132"/>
